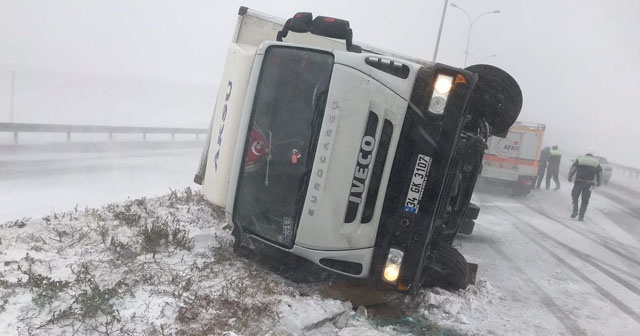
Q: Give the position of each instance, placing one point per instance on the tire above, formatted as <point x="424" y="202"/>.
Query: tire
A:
<point x="449" y="268"/>
<point x="497" y="97"/>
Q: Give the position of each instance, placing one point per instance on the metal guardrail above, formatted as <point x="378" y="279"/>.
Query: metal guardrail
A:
<point x="627" y="170"/>
<point x="17" y="128"/>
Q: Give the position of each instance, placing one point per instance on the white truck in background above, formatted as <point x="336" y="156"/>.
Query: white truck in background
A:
<point x="513" y="160"/>
<point x="360" y="160"/>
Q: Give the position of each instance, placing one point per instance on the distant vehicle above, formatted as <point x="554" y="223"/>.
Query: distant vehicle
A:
<point x="360" y="160"/>
<point x="607" y="169"/>
<point x="513" y="160"/>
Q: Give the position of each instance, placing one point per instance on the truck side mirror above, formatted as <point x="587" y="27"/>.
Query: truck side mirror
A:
<point x="497" y="98"/>
<point x="299" y="23"/>
<point x="334" y="28"/>
<point x="331" y="27"/>
<point x="303" y="22"/>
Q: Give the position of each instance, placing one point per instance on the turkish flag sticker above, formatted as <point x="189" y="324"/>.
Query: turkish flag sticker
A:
<point x="258" y="148"/>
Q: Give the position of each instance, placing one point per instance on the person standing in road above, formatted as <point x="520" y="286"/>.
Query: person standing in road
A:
<point x="542" y="166"/>
<point x="587" y="171"/>
<point x="553" y="167"/>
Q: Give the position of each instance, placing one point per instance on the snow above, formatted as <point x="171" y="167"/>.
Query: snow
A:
<point x="42" y="183"/>
<point x="158" y="287"/>
<point x="626" y="180"/>
<point x="95" y="268"/>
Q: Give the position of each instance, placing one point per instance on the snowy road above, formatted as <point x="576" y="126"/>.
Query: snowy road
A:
<point x="547" y="274"/>
<point x="558" y="275"/>
<point x="34" y="185"/>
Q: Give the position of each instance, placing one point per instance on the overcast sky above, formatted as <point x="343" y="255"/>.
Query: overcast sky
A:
<point x="576" y="61"/>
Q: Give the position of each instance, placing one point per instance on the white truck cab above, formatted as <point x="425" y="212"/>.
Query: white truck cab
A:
<point x="357" y="159"/>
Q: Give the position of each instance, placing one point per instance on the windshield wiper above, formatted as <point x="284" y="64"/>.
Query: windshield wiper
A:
<point x="318" y="115"/>
<point x="266" y="176"/>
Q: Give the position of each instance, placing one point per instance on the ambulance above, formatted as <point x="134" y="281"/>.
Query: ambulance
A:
<point x="513" y="160"/>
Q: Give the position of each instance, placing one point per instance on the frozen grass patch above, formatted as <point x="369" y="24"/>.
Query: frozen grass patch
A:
<point x="134" y="268"/>
<point x="157" y="266"/>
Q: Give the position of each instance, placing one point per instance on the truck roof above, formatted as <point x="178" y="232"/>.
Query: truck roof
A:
<point x="254" y="27"/>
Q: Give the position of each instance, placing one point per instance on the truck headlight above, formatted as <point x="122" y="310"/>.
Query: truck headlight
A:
<point x="443" y="84"/>
<point x="392" y="266"/>
<point x="441" y="90"/>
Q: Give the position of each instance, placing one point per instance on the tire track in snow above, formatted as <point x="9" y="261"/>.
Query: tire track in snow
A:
<point x="633" y="275"/>
<point x="632" y="208"/>
<point x="618" y="186"/>
<point x="569" y="323"/>
<point x="598" y="239"/>
<point x="629" y="311"/>
<point x="625" y="252"/>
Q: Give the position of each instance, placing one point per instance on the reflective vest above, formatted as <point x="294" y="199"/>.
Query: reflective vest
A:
<point x="554" y="159"/>
<point x="587" y="169"/>
<point x="555" y="152"/>
<point x="587" y="160"/>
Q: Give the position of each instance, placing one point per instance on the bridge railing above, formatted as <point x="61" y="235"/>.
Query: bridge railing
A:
<point x="17" y="128"/>
<point x="626" y="170"/>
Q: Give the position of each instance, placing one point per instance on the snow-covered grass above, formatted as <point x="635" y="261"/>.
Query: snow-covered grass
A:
<point x="154" y="266"/>
<point x="165" y="266"/>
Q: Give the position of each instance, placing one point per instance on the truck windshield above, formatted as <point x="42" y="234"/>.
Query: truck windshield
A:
<point x="287" y="113"/>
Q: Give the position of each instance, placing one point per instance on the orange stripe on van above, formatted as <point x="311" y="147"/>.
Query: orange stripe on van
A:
<point x="523" y="162"/>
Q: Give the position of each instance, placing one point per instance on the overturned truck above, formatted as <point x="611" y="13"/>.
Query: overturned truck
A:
<point x="358" y="159"/>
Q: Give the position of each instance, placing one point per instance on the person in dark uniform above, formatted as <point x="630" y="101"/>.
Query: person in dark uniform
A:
<point x="544" y="159"/>
<point x="587" y="172"/>
<point x="553" y="167"/>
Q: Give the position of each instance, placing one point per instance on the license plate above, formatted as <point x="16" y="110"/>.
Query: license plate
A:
<point x="418" y="181"/>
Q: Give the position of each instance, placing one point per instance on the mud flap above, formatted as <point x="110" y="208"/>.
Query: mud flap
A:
<point x="468" y="223"/>
<point x="466" y="227"/>
<point x="471" y="276"/>
<point x="472" y="211"/>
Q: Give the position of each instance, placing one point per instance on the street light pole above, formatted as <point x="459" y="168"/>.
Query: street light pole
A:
<point x="471" y="22"/>
<point x="13" y="78"/>
<point x="444" y="12"/>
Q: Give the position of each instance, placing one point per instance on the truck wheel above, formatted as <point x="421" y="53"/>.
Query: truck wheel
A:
<point x="449" y="268"/>
<point x="497" y="97"/>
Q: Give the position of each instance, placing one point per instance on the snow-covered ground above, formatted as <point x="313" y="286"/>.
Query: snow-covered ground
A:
<point x="142" y="255"/>
<point x="625" y="180"/>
